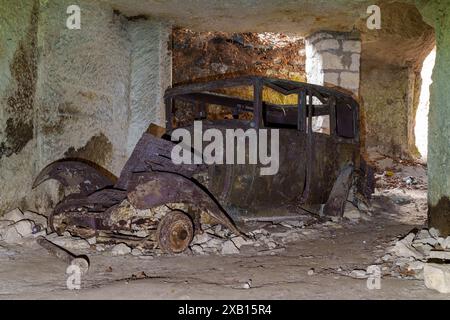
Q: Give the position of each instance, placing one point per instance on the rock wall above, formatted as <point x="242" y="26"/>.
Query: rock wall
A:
<point x="200" y="56"/>
<point x="85" y="93"/>
<point x="391" y="59"/>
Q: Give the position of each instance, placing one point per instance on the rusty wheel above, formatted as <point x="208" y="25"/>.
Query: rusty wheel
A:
<point x="175" y="232"/>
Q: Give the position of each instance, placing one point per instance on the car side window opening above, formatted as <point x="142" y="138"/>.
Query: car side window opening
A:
<point x="280" y="107"/>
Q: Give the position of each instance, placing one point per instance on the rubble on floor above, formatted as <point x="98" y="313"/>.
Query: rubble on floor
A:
<point x="422" y="254"/>
<point x="17" y="226"/>
<point x="266" y="238"/>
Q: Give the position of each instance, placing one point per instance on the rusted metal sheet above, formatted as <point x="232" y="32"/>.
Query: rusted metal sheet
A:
<point x="153" y="154"/>
<point x="152" y="189"/>
<point x="339" y="193"/>
<point x="81" y="176"/>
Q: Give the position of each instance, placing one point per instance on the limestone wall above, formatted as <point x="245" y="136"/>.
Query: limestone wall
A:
<point x="436" y="14"/>
<point x="87" y="93"/>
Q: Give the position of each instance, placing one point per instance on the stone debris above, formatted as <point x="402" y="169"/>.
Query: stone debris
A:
<point x="137" y="252"/>
<point x="16" y="227"/>
<point x="358" y="274"/>
<point x="414" y="256"/>
<point x="240" y="241"/>
<point x="437" y="277"/>
<point x="439" y="254"/>
<point x="38" y="219"/>
<point x="120" y="249"/>
<point x="69" y="242"/>
<point x="24" y="227"/>
<point x="229" y="248"/>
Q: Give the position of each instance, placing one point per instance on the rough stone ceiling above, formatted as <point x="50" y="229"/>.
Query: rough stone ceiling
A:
<point x="405" y="39"/>
<point x="297" y="16"/>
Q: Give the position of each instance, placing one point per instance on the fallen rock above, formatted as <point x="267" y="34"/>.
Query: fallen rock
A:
<point x="434" y="232"/>
<point x="403" y="248"/>
<point x="24" y="227"/>
<point x="68" y="242"/>
<point x="136" y="252"/>
<point x="437" y="254"/>
<point x="358" y="274"/>
<point x="196" y="248"/>
<point x="229" y="248"/>
<point x="120" y="249"/>
<point x="11" y="235"/>
<point x="100" y="247"/>
<point x="213" y="243"/>
<point x="240" y="241"/>
<point x="200" y="238"/>
<point x="445" y="244"/>
<point x="437" y="277"/>
<point x="92" y="240"/>
<point x="271" y="245"/>
<point x="430" y="240"/>
<point x="4" y="225"/>
<point x="14" y="215"/>
<point x="37" y="218"/>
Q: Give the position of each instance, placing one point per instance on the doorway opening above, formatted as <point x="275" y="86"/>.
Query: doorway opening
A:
<point x="421" y="126"/>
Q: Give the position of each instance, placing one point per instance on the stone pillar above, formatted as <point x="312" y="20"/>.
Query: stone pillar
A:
<point x="151" y="74"/>
<point x="332" y="58"/>
<point x="436" y="14"/>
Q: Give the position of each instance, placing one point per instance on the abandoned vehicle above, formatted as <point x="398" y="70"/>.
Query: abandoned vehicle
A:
<point x="164" y="204"/>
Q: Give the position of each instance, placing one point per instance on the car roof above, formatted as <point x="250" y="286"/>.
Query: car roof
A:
<point x="281" y="85"/>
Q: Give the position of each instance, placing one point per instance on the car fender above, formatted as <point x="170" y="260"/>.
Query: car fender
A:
<point x="152" y="189"/>
<point x="80" y="175"/>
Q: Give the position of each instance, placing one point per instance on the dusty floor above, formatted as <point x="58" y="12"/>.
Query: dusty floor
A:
<point x="330" y="249"/>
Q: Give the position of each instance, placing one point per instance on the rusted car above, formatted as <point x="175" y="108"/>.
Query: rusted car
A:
<point x="163" y="204"/>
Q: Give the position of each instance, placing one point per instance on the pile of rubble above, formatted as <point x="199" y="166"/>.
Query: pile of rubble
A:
<point x="423" y="254"/>
<point x="17" y="226"/>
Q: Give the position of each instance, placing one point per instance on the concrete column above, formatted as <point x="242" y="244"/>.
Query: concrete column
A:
<point x="436" y="14"/>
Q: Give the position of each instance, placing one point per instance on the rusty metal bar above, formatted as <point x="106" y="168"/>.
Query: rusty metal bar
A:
<point x="332" y="106"/>
<point x="257" y="103"/>
<point x="64" y="255"/>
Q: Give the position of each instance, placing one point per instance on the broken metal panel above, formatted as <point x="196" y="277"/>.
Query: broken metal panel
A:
<point x="81" y="176"/>
<point x="339" y="193"/>
<point x="152" y="189"/>
<point x="153" y="154"/>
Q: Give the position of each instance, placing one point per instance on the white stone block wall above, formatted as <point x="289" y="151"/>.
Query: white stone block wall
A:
<point x="333" y="58"/>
